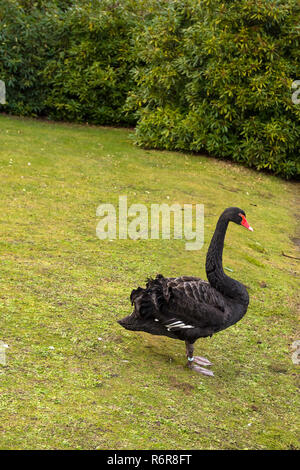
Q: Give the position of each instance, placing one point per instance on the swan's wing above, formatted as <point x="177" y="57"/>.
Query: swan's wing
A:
<point x="184" y="308"/>
<point x="190" y="303"/>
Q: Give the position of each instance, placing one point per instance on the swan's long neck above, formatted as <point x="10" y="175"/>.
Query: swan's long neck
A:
<point x="214" y="266"/>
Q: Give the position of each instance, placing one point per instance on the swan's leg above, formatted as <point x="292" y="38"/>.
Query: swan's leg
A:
<point x="194" y="362"/>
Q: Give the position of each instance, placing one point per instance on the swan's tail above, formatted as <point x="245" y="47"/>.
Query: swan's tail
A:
<point x="148" y="303"/>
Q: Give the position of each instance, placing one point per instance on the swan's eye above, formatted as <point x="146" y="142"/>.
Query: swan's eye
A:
<point x="244" y="223"/>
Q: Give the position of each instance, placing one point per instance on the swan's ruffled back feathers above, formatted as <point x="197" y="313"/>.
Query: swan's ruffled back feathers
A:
<point x="177" y="307"/>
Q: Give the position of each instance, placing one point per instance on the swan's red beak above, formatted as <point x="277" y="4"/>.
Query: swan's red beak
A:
<point x="245" y="224"/>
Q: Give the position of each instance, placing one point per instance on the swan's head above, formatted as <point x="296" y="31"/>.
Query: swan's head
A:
<point x="238" y="216"/>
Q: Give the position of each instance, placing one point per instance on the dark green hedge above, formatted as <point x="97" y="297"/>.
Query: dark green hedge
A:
<point x="217" y="77"/>
<point x="68" y="62"/>
<point x="90" y="77"/>
<point x="196" y="75"/>
<point x="27" y="42"/>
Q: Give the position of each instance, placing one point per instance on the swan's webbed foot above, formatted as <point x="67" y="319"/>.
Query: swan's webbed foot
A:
<point x="201" y="370"/>
<point x="202" y="361"/>
<point x="195" y="362"/>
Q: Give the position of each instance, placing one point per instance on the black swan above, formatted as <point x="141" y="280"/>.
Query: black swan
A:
<point x="188" y="308"/>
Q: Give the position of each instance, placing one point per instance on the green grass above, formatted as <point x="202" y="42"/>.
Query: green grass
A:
<point x="63" y="288"/>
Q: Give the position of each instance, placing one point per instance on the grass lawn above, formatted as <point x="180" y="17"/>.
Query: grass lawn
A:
<point x="74" y="378"/>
